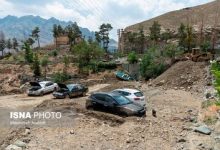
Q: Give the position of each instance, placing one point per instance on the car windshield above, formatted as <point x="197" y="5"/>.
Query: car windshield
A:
<point x="42" y="84"/>
<point x="138" y="94"/>
<point x="121" y="100"/>
<point x="70" y="87"/>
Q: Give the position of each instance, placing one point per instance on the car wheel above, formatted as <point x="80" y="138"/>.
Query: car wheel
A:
<point x="84" y="94"/>
<point x="89" y="106"/>
<point x="69" y="96"/>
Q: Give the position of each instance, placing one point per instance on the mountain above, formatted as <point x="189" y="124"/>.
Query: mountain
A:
<point x="21" y="27"/>
<point x="194" y="15"/>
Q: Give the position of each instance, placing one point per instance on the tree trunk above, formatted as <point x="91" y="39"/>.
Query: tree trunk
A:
<point x="38" y="41"/>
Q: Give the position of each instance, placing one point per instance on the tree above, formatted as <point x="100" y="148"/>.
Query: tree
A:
<point x="141" y="39"/>
<point x="104" y="30"/>
<point x="98" y="37"/>
<point x="189" y="37"/>
<point x="55" y="33"/>
<point x="36" y="66"/>
<point x="2" y="42"/>
<point x="35" y="35"/>
<point x="182" y="35"/>
<point x="155" y="31"/>
<point x="14" y="43"/>
<point x="44" y="64"/>
<point x="73" y="33"/>
<point x="86" y="52"/>
<point x="60" y="30"/>
<point x="166" y="35"/>
<point x="132" y="57"/>
<point x="30" y="41"/>
<point x="9" y="44"/>
<point x="28" y="52"/>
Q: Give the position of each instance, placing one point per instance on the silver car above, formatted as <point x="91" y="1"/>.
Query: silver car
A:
<point x="41" y="88"/>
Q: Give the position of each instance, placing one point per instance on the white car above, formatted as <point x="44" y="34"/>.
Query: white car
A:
<point x="41" y="88"/>
<point x="132" y="94"/>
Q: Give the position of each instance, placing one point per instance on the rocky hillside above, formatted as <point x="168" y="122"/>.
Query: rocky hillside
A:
<point x="194" y="15"/>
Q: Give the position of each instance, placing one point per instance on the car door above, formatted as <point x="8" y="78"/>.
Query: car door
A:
<point x="109" y="102"/>
<point x="49" y="87"/>
<point x="74" y="91"/>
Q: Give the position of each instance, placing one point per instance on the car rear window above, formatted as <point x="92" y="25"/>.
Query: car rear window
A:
<point x="138" y="94"/>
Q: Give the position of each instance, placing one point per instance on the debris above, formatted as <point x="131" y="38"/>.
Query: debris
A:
<point x="203" y="129"/>
<point x="13" y="147"/>
<point x="20" y="144"/>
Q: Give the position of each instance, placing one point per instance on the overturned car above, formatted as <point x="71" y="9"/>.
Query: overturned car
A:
<point x="70" y="90"/>
<point x="41" y="88"/>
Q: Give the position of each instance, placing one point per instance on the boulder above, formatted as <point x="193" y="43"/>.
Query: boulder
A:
<point x="13" y="147"/>
<point x="203" y="129"/>
<point x="20" y="144"/>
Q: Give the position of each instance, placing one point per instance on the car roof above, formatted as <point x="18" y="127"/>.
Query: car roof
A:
<point x="107" y="93"/>
<point x="73" y="84"/>
<point x="128" y="90"/>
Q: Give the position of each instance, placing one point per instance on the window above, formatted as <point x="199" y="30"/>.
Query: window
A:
<point x="109" y="99"/>
<point x="49" y="84"/>
<point x="99" y="97"/>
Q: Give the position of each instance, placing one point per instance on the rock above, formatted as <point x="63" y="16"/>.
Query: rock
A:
<point x="161" y="83"/>
<point x="27" y="131"/>
<point x="26" y="140"/>
<point x="128" y="141"/>
<point x="203" y="129"/>
<point x="20" y="144"/>
<point x="13" y="147"/>
<point x="175" y="88"/>
<point x="72" y="132"/>
<point x="181" y="140"/>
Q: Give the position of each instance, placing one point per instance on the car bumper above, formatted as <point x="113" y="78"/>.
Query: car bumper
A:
<point x="59" y="95"/>
<point x="33" y="94"/>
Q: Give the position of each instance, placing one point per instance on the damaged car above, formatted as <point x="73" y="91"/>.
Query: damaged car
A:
<point x="115" y="103"/>
<point x="133" y="94"/>
<point x="41" y="88"/>
<point x="70" y="90"/>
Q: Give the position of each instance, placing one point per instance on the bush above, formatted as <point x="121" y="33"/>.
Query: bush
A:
<point x="53" y="53"/>
<point x="101" y="66"/>
<point x="132" y="57"/>
<point x="60" y="77"/>
<point x="151" y="66"/>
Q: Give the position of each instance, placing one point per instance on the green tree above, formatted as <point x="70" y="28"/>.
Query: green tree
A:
<point x="2" y="42"/>
<point x="44" y="64"/>
<point x="60" y="30"/>
<point x="30" y="41"/>
<point x="36" y="66"/>
<point x="132" y="57"/>
<point x="28" y="52"/>
<point x="73" y="33"/>
<point x="14" y="43"/>
<point x="155" y="31"/>
<point x="9" y="44"/>
<point x="205" y="46"/>
<point x="55" y="33"/>
<point x="189" y="37"/>
<point x="86" y="52"/>
<point x="36" y="36"/>
<point x="165" y="36"/>
<point x="182" y="36"/>
<point x="104" y="30"/>
<point x="98" y="37"/>
<point x="141" y="39"/>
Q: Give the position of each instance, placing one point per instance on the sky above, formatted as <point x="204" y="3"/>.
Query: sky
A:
<point x="92" y="13"/>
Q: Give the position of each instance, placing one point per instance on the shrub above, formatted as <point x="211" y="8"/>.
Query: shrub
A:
<point x="132" y="57"/>
<point x="60" y="77"/>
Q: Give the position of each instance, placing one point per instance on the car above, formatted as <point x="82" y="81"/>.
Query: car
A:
<point x="41" y="88"/>
<point x="115" y="103"/>
<point x="70" y="90"/>
<point x="132" y="94"/>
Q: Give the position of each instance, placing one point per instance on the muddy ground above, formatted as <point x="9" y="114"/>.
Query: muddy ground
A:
<point x="178" y="112"/>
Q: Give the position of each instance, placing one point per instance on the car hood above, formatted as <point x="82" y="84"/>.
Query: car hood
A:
<point x="133" y="107"/>
<point x="62" y="86"/>
<point x="35" y="84"/>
